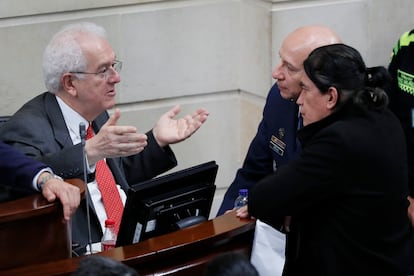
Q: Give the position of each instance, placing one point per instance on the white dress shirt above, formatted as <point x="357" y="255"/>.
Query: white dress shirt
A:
<point x="72" y="120"/>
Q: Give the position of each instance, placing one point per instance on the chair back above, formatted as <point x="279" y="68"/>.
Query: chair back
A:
<point x="5" y="194"/>
<point x="4" y="119"/>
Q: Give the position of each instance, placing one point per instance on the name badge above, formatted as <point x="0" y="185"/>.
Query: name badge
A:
<point x="277" y="145"/>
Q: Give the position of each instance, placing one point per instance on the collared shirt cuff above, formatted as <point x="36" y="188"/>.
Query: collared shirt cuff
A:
<point x="36" y="178"/>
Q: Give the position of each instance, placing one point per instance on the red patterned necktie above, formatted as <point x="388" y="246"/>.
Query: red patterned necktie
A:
<point x="109" y="192"/>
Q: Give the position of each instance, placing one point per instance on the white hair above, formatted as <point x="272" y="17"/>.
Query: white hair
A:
<point x="63" y="53"/>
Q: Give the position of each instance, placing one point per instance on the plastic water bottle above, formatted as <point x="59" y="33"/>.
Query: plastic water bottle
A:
<point x="109" y="236"/>
<point x="242" y="199"/>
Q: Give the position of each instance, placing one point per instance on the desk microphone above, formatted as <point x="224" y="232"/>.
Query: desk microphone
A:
<point x="82" y="132"/>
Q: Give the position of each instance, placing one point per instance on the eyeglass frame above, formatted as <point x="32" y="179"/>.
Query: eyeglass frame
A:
<point x="116" y="66"/>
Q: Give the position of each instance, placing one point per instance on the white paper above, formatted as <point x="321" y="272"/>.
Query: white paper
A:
<point x="268" y="251"/>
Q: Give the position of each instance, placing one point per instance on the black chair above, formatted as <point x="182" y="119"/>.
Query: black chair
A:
<point x="4" y="119"/>
<point x="5" y="194"/>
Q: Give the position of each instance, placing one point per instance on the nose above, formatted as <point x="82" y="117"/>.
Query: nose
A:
<point x="277" y="72"/>
<point x="299" y="100"/>
<point x="114" y="76"/>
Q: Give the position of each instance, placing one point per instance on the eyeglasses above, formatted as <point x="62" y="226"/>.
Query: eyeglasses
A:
<point x="105" y="72"/>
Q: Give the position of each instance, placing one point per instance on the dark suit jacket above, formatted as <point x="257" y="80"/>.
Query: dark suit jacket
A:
<point x="348" y="193"/>
<point x="275" y="142"/>
<point x="38" y="130"/>
<point x="17" y="170"/>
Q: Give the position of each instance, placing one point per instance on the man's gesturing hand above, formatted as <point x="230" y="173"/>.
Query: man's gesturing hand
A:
<point x="114" y="141"/>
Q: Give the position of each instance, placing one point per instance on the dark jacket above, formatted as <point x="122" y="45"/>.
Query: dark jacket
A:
<point x="38" y="130"/>
<point x="348" y="194"/>
<point x="273" y="146"/>
<point x="17" y="170"/>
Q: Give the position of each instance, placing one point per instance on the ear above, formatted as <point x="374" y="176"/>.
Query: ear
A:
<point x="68" y="85"/>
<point x="332" y="97"/>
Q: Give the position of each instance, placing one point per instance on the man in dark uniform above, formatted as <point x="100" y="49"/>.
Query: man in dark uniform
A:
<point x="275" y="141"/>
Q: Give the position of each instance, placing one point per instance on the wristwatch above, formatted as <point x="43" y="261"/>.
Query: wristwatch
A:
<point x="42" y="181"/>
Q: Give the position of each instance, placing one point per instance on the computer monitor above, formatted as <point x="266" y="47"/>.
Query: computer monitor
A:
<point x="168" y="203"/>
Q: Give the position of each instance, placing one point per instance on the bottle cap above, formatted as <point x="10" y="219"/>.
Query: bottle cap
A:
<point x="243" y="192"/>
<point x="109" y="222"/>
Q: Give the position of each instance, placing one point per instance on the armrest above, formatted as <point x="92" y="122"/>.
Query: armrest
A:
<point x="33" y="205"/>
<point x="33" y="223"/>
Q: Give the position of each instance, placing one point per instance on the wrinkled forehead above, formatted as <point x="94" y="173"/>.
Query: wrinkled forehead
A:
<point x="294" y="53"/>
<point x="96" y="49"/>
<point x="299" y="44"/>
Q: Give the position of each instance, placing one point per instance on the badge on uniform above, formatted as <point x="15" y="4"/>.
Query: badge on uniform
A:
<point x="277" y="144"/>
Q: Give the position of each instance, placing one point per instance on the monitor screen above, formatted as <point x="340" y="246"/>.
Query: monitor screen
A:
<point x="167" y="203"/>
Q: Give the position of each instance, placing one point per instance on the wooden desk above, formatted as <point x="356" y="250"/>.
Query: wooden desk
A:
<point x="183" y="252"/>
<point x="32" y="231"/>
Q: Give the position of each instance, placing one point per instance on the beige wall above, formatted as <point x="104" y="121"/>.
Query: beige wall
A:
<point x="213" y="53"/>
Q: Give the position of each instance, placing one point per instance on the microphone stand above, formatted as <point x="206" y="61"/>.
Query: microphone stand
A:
<point x="82" y="132"/>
